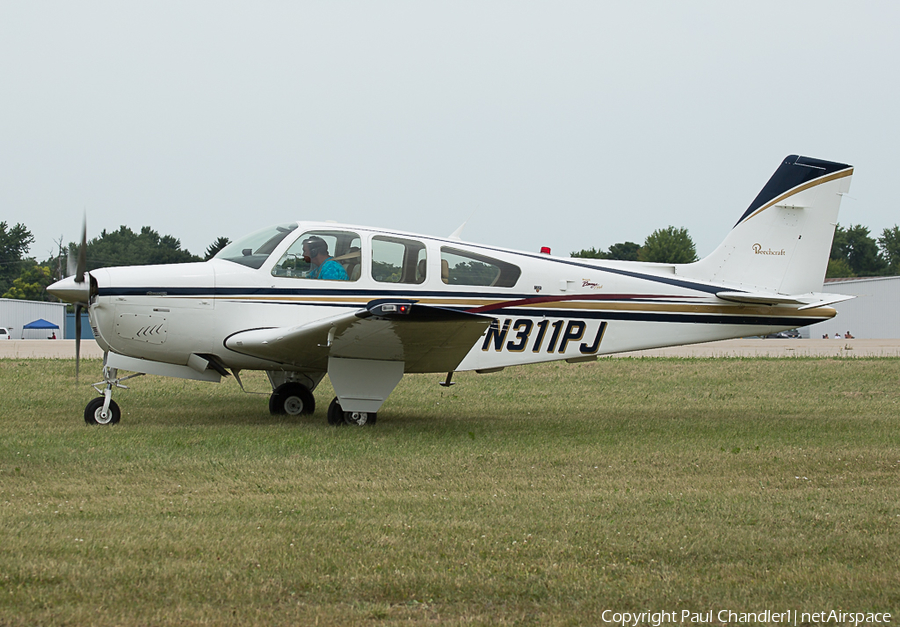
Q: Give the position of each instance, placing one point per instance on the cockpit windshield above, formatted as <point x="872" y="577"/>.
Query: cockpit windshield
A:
<point x="254" y="249"/>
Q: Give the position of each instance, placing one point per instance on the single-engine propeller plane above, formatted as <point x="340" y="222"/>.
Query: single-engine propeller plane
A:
<point x="364" y="306"/>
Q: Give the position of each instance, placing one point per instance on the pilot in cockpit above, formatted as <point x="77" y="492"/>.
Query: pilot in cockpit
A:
<point x="322" y="266"/>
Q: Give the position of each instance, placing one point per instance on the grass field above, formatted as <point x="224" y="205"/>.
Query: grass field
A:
<point x="539" y="495"/>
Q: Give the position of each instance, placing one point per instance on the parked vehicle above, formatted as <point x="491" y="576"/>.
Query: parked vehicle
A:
<point x="791" y="334"/>
<point x="4" y="333"/>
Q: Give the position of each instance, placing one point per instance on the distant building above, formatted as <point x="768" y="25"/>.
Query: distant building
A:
<point x="873" y="314"/>
<point x="87" y="333"/>
<point x="15" y="314"/>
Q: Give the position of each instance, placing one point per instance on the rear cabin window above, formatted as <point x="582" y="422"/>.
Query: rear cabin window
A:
<point x="342" y="247"/>
<point x="461" y="267"/>
<point x="398" y="260"/>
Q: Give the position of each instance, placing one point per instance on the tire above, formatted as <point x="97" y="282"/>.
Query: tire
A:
<point x="335" y="414"/>
<point x="274" y="402"/>
<point x="292" y="399"/>
<point x="95" y="407"/>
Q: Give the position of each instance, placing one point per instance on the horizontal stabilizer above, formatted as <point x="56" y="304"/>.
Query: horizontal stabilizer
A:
<point x="807" y="301"/>
<point x="826" y="299"/>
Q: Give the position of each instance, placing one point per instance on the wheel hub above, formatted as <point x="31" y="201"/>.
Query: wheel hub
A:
<point x="293" y="405"/>
<point x="358" y="418"/>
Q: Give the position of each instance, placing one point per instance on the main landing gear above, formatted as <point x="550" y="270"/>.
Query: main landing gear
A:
<point x="292" y="395"/>
<point x="293" y="399"/>
<point x="337" y="416"/>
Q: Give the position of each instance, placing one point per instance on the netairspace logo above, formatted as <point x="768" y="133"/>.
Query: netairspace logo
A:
<point x="724" y="617"/>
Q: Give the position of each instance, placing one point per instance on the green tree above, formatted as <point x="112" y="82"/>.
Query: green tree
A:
<point x="889" y="242"/>
<point x="127" y="248"/>
<point x="14" y="243"/>
<point x="668" y="245"/>
<point x="589" y="253"/>
<point x="215" y="247"/>
<point x="385" y="272"/>
<point x="858" y="249"/>
<point x="472" y="273"/>
<point x="838" y="269"/>
<point x="31" y="284"/>
<point x="626" y="251"/>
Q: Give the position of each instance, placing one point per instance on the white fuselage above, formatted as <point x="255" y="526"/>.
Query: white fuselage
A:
<point x="556" y="308"/>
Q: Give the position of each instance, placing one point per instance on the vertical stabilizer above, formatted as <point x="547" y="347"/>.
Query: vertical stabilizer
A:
<point x="782" y="242"/>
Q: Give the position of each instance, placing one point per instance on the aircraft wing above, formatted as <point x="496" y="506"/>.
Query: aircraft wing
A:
<point x="426" y="339"/>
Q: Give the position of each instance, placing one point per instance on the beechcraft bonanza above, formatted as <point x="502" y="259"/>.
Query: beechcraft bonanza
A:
<point x="364" y="306"/>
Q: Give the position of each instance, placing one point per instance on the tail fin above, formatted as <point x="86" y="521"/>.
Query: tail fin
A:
<point x="782" y="242"/>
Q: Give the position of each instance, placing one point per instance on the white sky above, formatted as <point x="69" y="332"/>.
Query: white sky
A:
<point x="562" y="124"/>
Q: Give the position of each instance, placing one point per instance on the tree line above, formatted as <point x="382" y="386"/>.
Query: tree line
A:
<point x="854" y="251"/>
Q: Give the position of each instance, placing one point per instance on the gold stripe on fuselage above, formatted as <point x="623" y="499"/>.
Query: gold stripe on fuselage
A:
<point x="573" y="306"/>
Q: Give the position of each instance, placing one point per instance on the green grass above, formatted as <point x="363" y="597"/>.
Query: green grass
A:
<point x="539" y="495"/>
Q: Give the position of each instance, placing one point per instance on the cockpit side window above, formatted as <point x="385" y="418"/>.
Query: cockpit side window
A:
<point x="462" y="267"/>
<point x="338" y="252"/>
<point x="398" y="260"/>
<point x="253" y="250"/>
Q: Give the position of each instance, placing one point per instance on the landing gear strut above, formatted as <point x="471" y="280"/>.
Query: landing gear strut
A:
<point x="337" y="416"/>
<point x="293" y="399"/>
<point x="103" y="410"/>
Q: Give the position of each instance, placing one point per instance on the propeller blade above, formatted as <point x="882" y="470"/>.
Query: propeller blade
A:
<point x="71" y="263"/>
<point x="78" y="307"/>
<point x="81" y="266"/>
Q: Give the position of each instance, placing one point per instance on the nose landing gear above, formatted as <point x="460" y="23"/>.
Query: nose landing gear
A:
<point x="99" y="412"/>
<point x="103" y="410"/>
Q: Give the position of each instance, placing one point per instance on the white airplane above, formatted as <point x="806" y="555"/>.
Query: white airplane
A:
<point x="366" y="305"/>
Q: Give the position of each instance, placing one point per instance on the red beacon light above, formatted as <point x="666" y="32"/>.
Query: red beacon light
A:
<point x="545" y="250"/>
<point x="383" y="309"/>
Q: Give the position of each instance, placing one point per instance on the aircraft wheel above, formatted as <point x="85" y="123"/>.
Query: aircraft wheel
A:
<point x="292" y="399"/>
<point x="93" y="413"/>
<point x="335" y="413"/>
<point x="359" y="418"/>
<point x="337" y="416"/>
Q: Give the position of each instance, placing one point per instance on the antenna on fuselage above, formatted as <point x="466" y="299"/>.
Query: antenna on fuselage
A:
<point x="457" y="234"/>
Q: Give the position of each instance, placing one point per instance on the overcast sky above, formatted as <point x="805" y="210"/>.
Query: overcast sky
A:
<point x="562" y="124"/>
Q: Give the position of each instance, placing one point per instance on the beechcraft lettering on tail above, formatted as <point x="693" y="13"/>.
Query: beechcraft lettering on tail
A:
<point x="364" y="306"/>
<point x="758" y="249"/>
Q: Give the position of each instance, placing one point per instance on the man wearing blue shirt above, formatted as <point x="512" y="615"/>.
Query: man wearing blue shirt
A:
<point x="322" y="266"/>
